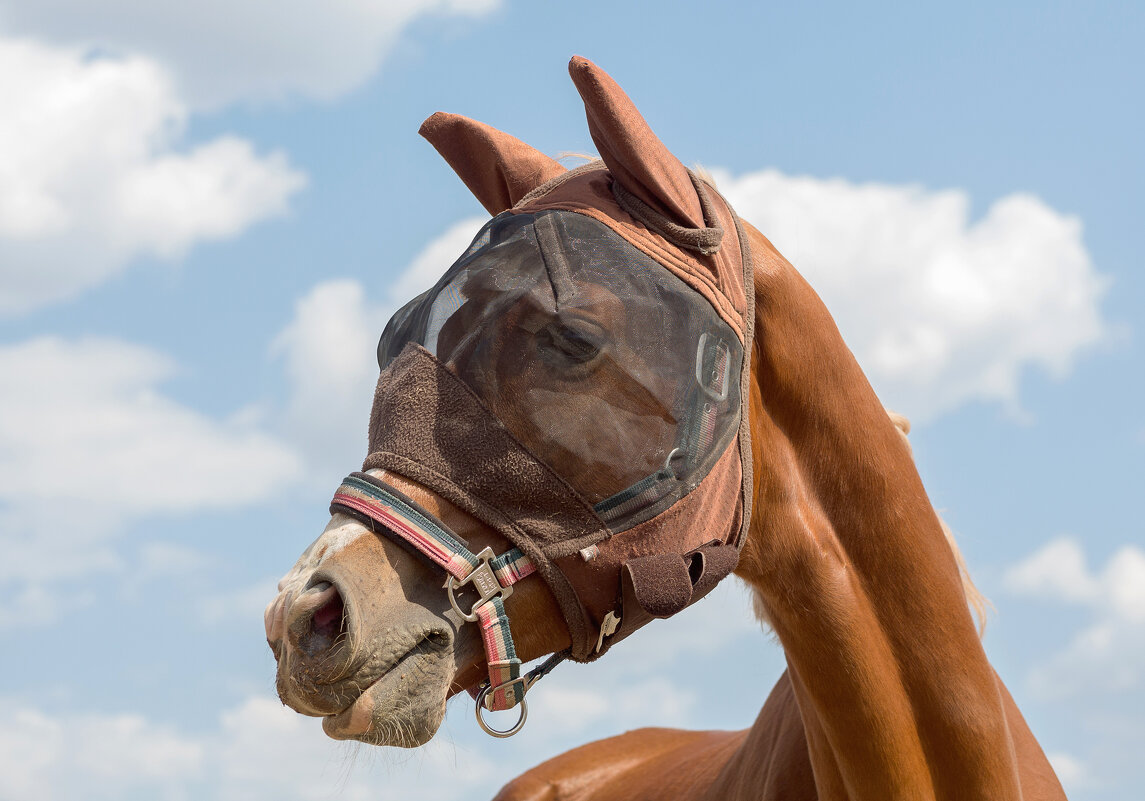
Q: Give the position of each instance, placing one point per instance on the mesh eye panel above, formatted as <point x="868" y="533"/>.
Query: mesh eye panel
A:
<point x="609" y="368"/>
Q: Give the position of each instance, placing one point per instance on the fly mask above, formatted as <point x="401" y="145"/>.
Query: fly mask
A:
<point x="577" y="380"/>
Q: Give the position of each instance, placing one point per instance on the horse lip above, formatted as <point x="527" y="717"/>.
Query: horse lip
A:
<point x="423" y="647"/>
<point x="319" y="696"/>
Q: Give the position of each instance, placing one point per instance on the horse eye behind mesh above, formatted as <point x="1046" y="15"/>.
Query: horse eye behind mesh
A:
<point x="568" y="344"/>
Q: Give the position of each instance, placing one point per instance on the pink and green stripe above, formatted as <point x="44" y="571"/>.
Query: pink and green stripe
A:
<point x="504" y="666"/>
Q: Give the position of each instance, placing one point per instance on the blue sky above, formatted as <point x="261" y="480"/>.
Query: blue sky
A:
<point x="207" y="214"/>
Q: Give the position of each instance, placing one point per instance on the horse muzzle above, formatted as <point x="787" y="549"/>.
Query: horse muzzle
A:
<point x="345" y="625"/>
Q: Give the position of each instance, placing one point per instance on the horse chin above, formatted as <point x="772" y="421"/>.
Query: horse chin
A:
<point x="404" y="708"/>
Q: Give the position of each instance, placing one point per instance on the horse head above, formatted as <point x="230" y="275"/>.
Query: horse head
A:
<point x="558" y="447"/>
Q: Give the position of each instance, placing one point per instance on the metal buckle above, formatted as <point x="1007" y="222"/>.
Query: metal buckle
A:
<point x="484" y="580"/>
<point x="525" y="684"/>
<point x="720" y="394"/>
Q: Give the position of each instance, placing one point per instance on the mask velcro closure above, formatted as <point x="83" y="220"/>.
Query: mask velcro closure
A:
<point x="660" y="585"/>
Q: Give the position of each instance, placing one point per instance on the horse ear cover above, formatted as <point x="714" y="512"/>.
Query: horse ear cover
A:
<point x="632" y="152"/>
<point x="499" y="169"/>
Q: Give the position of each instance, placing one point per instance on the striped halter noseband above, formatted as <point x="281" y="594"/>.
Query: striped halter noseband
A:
<point x="492" y="577"/>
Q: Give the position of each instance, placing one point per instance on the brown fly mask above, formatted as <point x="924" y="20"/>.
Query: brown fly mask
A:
<point x="574" y="386"/>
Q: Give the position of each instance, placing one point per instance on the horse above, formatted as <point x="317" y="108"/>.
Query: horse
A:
<point x="887" y="694"/>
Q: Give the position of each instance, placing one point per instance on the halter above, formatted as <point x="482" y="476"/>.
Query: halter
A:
<point x="492" y="577"/>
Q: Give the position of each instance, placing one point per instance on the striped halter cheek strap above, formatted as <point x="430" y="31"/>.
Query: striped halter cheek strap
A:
<point x="491" y="577"/>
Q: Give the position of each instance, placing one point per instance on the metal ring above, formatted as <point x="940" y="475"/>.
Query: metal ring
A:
<point x="498" y="732"/>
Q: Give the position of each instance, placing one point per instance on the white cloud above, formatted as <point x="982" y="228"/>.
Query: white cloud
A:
<point x="92" y="176"/>
<point x="1071" y="771"/>
<point x="221" y="51"/>
<point x="433" y="260"/>
<point x="264" y="750"/>
<point x="1125" y="578"/>
<point x="90" y="756"/>
<point x="82" y="421"/>
<point x="329" y="349"/>
<point x="88" y="443"/>
<point x="167" y="560"/>
<point x="1108" y="655"/>
<point x="938" y="309"/>
<point x="258" y="750"/>
<point x="1056" y="571"/>
<point x="157" y="563"/>
<point x="237" y="606"/>
<point x="31" y="605"/>
<point x="571" y="706"/>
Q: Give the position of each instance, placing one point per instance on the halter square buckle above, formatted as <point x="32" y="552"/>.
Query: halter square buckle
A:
<point x="484" y="581"/>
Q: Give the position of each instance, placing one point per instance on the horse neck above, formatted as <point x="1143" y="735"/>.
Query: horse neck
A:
<point x="855" y="575"/>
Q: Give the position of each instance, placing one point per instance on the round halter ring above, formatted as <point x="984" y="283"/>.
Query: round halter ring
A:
<point x="498" y="732"/>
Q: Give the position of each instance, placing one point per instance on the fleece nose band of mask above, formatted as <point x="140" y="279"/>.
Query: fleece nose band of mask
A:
<point x="491" y="577"/>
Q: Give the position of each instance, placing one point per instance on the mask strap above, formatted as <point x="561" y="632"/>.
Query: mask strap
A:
<point x="642" y="493"/>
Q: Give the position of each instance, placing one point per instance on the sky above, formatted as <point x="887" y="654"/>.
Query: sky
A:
<point x="208" y="211"/>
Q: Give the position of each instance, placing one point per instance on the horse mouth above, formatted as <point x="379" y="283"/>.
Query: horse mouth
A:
<point x="389" y="705"/>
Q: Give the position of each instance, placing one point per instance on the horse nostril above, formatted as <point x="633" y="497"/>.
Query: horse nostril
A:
<point x="328" y="620"/>
<point x="327" y="625"/>
<point x="319" y="620"/>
